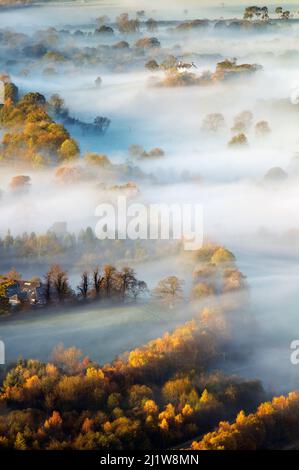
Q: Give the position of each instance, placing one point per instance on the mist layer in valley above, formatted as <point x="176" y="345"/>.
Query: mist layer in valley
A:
<point x="249" y="193"/>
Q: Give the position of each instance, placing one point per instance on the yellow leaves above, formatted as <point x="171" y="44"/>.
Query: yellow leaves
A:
<point x="173" y="389"/>
<point x="4" y="442"/>
<point x="32" y="382"/>
<point x="206" y="397"/>
<point x="107" y="427"/>
<point x="34" y="135"/>
<point x="69" y="150"/>
<point x="4" y="284"/>
<point x="279" y="403"/>
<point x="256" y="430"/>
<point x="150" y="407"/>
<point x="222" y="255"/>
<point x="137" y="358"/>
<point x="179" y="419"/>
<point x="97" y="160"/>
<point x="187" y="410"/>
<point x="293" y="397"/>
<point x="13" y="393"/>
<point x="68" y="388"/>
<point x="20" y="443"/>
<point x="164" y="425"/>
<point x="55" y="421"/>
<point x="168" y="414"/>
<point x="93" y="373"/>
<point x="51" y="370"/>
<point x="201" y="290"/>
<point x="241" y="418"/>
<point x="265" y="409"/>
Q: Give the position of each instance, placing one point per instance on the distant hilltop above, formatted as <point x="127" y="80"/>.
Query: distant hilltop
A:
<point x="20" y="3"/>
<point x="11" y="3"/>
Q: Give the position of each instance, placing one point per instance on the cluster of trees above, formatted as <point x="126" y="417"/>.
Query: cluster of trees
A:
<point x="243" y="122"/>
<point x="155" y="396"/>
<point x="272" y="426"/>
<point x="127" y="25"/>
<point x="224" y="70"/>
<point x="152" y="397"/>
<point x="108" y="284"/>
<point x="262" y="13"/>
<point x="217" y="278"/>
<point x="31" y="136"/>
<point x="283" y="14"/>
<point x="85" y="244"/>
<point x="55" y="51"/>
<point x="56" y="107"/>
<point x="138" y="151"/>
<point x="230" y="68"/>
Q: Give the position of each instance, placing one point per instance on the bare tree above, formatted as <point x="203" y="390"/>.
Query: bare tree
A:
<point x="138" y="288"/>
<point x="60" y="282"/>
<point x="97" y="281"/>
<point x="83" y="287"/>
<point x="48" y="287"/>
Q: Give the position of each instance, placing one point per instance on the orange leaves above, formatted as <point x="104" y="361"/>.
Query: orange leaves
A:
<point x="256" y="430"/>
<point x="33" y="383"/>
<point x="51" y="370"/>
<point x="150" y="407"/>
<point x="55" y="421"/>
<point x="187" y="410"/>
<point x="70" y="359"/>
<point x="164" y="425"/>
<point x="87" y="425"/>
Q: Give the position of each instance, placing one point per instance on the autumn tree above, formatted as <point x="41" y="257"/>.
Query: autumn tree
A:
<point x="239" y="140"/>
<point x="169" y="291"/>
<point x="20" y="182"/>
<point x="69" y="359"/>
<point x="152" y="65"/>
<point x="127" y="25"/>
<point x="262" y="129"/>
<point x="213" y="122"/>
<point x="59" y="282"/>
<point x="69" y="150"/>
<point x="20" y="443"/>
<point x="11" y="92"/>
<point x="222" y="255"/>
<point x="242" y="122"/>
<point x="108" y="279"/>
